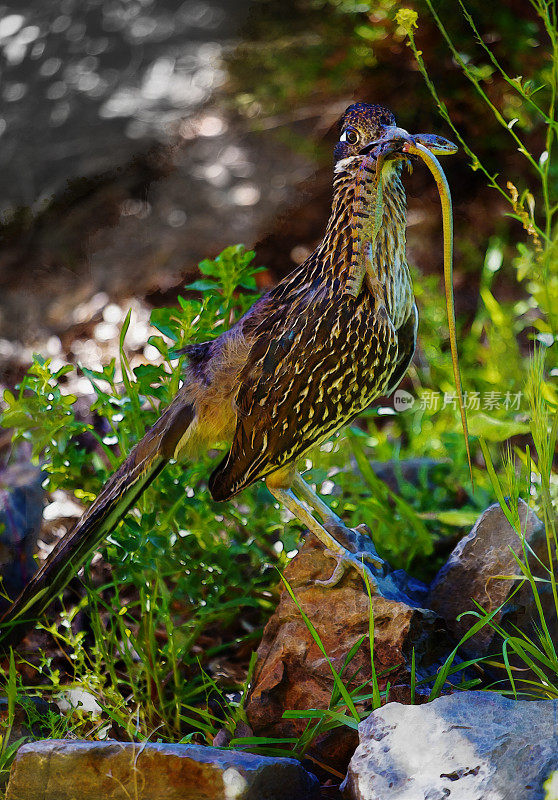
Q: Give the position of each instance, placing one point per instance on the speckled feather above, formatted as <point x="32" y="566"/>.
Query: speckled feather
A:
<point x="320" y="356"/>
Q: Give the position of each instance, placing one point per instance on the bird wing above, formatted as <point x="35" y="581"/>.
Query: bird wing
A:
<point x="314" y="364"/>
<point x="406" y="343"/>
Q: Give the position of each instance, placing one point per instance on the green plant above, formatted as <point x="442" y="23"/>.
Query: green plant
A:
<point x="524" y="104"/>
<point x="181" y="564"/>
<point x="535" y="649"/>
<point x="8" y="749"/>
<point x="534" y="104"/>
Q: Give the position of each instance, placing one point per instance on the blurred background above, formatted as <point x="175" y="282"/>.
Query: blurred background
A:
<point x="138" y="137"/>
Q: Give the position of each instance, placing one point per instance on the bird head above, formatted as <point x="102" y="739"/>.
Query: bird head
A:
<point x="371" y="130"/>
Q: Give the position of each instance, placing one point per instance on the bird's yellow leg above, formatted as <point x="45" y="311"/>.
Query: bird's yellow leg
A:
<point x="333" y="523"/>
<point x="280" y="486"/>
<point x="315" y="502"/>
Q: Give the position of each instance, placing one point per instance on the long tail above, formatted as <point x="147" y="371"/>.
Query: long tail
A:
<point x="148" y="458"/>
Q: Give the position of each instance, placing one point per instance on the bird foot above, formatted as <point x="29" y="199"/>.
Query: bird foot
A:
<point x="356" y="540"/>
<point x="357" y="561"/>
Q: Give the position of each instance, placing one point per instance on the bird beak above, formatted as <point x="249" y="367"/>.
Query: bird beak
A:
<point x="397" y="140"/>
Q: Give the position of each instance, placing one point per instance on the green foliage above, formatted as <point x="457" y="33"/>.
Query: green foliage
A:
<point x="9" y="746"/>
<point x="535" y="670"/>
<point x="185" y="564"/>
<point x="530" y="472"/>
<point x="534" y="104"/>
<point x="494" y="356"/>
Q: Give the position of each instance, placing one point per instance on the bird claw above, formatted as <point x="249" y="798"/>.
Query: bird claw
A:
<point x="357" y="561"/>
<point x="356" y="541"/>
<point x="371" y="558"/>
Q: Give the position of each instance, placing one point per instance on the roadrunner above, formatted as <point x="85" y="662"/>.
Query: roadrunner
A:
<point x="311" y="354"/>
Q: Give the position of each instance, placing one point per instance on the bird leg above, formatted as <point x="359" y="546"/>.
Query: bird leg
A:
<point x="280" y="485"/>
<point x="315" y="502"/>
<point x="350" y="538"/>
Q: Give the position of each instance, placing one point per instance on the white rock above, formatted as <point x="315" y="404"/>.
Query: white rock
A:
<point x="467" y="746"/>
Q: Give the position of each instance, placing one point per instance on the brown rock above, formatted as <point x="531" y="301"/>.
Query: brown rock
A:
<point x="292" y="672"/>
<point x="470" y="575"/>
<point x="57" y="769"/>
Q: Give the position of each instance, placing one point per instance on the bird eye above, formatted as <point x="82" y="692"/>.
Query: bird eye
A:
<point x="350" y="136"/>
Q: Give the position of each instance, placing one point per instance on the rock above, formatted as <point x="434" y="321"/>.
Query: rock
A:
<point x="223" y="737"/>
<point x="21" y="515"/>
<point x="469" y="576"/>
<point x="465" y="746"/>
<point x="59" y="769"/>
<point x="291" y="671"/>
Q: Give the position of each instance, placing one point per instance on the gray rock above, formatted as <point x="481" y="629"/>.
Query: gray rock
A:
<point x="21" y="516"/>
<point x="58" y="769"/>
<point x="470" y="573"/>
<point x="467" y="746"/>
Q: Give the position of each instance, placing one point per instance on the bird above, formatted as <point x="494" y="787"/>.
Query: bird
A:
<point x="309" y="355"/>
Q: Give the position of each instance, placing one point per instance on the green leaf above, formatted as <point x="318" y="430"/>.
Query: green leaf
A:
<point x="495" y="430"/>
<point x="459" y="517"/>
<point x="201" y="285"/>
